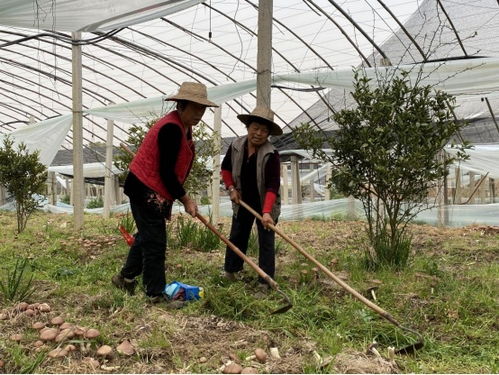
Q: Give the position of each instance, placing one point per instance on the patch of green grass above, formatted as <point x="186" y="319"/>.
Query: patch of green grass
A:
<point x="448" y="293"/>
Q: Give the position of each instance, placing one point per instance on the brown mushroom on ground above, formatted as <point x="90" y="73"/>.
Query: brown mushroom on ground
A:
<point x="249" y="370"/>
<point x="260" y="355"/>
<point x="66" y="325"/>
<point x="58" y="353"/>
<point x="104" y="351"/>
<point x="70" y="348"/>
<point x="29" y="312"/>
<point x="48" y="334"/>
<point x="65" y="334"/>
<point x="92" y="333"/>
<point x="44" y="307"/>
<point x="4" y="316"/>
<point x="38" y="325"/>
<point x="58" y="320"/>
<point x="2" y="363"/>
<point x="232" y="368"/>
<point x="16" y="337"/>
<point x="38" y="343"/>
<point x="22" y="306"/>
<point x="125" y="348"/>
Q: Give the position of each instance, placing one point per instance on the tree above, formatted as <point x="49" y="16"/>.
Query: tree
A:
<point x="200" y="174"/>
<point x="385" y="154"/>
<point x="24" y="177"/>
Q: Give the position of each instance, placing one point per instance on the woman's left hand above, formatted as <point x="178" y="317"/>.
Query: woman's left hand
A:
<point x="267" y="220"/>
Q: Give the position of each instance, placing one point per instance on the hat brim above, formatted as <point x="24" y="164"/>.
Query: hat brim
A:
<point x="205" y="102"/>
<point x="247" y="119"/>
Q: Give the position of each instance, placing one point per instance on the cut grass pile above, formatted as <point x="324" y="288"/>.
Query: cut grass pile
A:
<point x="448" y="293"/>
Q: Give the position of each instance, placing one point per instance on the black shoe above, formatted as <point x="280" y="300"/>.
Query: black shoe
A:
<point x="120" y="283"/>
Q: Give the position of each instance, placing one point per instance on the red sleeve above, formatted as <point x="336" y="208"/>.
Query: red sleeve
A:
<point x="227" y="177"/>
<point x="270" y="198"/>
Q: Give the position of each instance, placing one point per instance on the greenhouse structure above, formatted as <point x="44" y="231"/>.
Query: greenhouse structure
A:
<point x="131" y="57"/>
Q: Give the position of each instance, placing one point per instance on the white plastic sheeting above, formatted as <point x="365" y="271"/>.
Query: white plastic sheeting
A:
<point x="90" y="170"/>
<point x="461" y="77"/>
<point x="46" y="137"/>
<point x="88" y="15"/>
<point x="483" y="159"/>
<point x="459" y="215"/>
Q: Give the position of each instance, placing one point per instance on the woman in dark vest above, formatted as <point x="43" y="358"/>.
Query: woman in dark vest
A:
<point x="157" y="174"/>
<point x="251" y="172"/>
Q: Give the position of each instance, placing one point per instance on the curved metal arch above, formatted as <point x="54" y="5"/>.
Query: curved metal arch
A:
<point x="356" y="25"/>
<point x="49" y="75"/>
<point x="296" y="36"/>
<point x="242" y="61"/>
<point x="402" y="27"/>
<point x="91" y="57"/>
<point x="355" y="46"/>
<point x="453" y="27"/>
<point x="64" y="105"/>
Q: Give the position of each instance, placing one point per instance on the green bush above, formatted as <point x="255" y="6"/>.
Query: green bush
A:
<point x="96" y="202"/>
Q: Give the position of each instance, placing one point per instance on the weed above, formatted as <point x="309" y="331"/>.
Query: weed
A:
<point x="17" y="285"/>
<point x="96" y="202"/>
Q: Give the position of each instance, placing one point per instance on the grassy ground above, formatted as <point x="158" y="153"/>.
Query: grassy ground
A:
<point x="448" y="293"/>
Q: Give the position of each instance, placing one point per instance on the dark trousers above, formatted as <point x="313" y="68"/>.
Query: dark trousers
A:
<point x="239" y="236"/>
<point x="147" y="254"/>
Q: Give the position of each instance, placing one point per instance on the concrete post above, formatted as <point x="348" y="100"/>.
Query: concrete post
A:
<point x="284" y="186"/>
<point x="295" y="181"/>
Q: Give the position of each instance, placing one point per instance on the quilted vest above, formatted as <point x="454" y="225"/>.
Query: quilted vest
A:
<point x="264" y="152"/>
<point x="145" y="164"/>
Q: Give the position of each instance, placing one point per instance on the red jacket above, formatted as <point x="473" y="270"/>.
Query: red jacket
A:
<point x="145" y="164"/>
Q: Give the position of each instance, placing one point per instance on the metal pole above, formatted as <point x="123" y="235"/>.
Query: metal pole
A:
<point x="108" y="176"/>
<point x="78" y="199"/>
<point x="264" y="54"/>
<point x="215" y="178"/>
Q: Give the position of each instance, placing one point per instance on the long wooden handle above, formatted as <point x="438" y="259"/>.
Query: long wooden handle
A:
<point x="235" y="249"/>
<point x="340" y="282"/>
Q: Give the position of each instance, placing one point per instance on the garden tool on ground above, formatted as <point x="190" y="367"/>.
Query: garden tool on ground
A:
<point x="253" y="265"/>
<point x="406" y="350"/>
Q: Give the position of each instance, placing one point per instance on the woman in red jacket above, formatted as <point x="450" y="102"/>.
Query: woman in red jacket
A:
<point x="157" y="174"/>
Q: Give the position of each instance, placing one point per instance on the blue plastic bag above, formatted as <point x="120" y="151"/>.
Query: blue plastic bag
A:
<point x="180" y="291"/>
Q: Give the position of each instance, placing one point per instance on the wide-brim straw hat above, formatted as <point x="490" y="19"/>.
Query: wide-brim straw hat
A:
<point x="262" y="115"/>
<point x="193" y="92"/>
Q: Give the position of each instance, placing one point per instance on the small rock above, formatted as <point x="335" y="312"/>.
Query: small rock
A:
<point x="260" y="355"/>
<point x="232" y="368"/>
<point x="274" y="353"/>
<point x="58" y="353"/>
<point x="203" y="360"/>
<point x="125" y="348"/>
<point x="104" y="351"/>
<point x="58" y="320"/>
<point x="17" y="337"/>
<point x="92" y="333"/>
<point x="249" y="370"/>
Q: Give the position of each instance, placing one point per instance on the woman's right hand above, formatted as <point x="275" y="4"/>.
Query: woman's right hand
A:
<point x="235" y="196"/>
<point x="190" y="206"/>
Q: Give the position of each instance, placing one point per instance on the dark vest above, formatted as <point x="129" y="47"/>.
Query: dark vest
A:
<point x="145" y="164"/>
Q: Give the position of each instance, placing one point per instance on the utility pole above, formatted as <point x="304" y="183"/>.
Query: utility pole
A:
<point x="77" y="134"/>
<point x="264" y="53"/>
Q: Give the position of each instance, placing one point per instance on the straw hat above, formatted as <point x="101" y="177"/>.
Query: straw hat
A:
<point x="262" y="115"/>
<point x="193" y="92"/>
